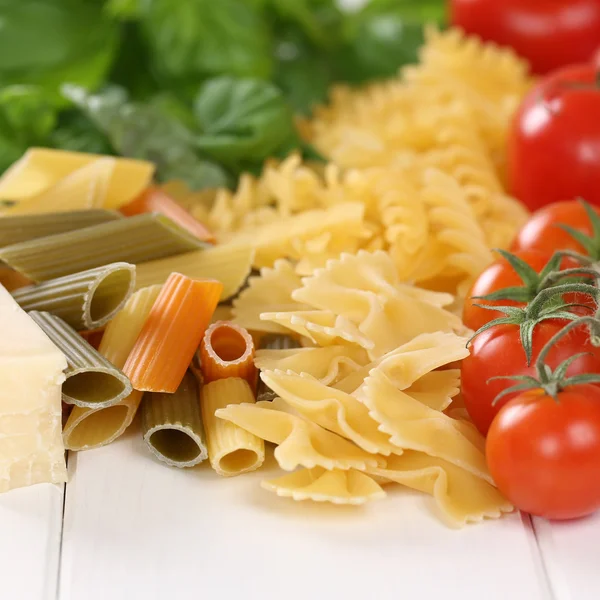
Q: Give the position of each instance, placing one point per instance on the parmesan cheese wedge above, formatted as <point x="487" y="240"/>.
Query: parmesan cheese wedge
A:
<point x="31" y="375"/>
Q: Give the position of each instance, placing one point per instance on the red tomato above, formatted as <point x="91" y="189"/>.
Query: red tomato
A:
<point x="549" y="33"/>
<point x="554" y="142"/>
<point x="498" y="352"/>
<point x="544" y="455"/>
<point x="542" y="231"/>
<point x="497" y="276"/>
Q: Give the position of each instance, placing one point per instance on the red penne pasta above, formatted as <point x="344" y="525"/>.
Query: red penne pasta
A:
<point x="153" y="199"/>
<point x="172" y="333"/>
<point x="13" y="280"/>
<point x="93" y="338"/>
<point x="227" y="350"/>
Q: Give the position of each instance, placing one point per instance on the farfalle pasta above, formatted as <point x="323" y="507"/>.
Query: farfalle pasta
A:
<point x="320" y="485"/>
<point x="300" y="443"/>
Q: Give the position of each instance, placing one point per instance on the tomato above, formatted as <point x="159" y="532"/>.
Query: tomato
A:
<point x="549" y="33"/>
<point x="554" y="141"/>
<point x="498" y="352"/>
<point x="542" y="231"/>
<point x="544" y="455"/>
<point x="499" y="275"/>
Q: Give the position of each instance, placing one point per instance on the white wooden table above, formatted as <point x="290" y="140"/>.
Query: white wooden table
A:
<point x="127" y="527"/>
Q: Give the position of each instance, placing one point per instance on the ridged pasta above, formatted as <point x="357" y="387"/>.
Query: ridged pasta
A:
<point x="300" y="443"/>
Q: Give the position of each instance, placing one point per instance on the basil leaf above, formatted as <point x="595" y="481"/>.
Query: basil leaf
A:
<point x="191" y="38"/>
<point x="146" y="132"/>
<point x="242" y="120"/>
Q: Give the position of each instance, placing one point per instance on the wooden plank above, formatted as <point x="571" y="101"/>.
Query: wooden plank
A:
<point x="137" y="529"/>
<point x="570" y="554"/>
<point x="30" y="535"/>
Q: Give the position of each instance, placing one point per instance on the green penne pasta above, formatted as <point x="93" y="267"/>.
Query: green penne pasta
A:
<point x="23" y="228"/>
<point x="273" y="341"/>
<point x="172" y="425"/>
<point x="91" y="381"/>
<point x="86" y="300"/>
<point x="135" y="239"/>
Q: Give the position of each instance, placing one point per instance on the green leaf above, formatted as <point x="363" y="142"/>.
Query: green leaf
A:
<point x="144" y="131"/>
<point x="75" y="132"/>
<point x="26" y="119"/>
<point x="385" y="35"/>
<point x="124" y="9"/>
<point x="190" y="39"/>
<point x="49" y="42"/>
<point x="242" y="120"/>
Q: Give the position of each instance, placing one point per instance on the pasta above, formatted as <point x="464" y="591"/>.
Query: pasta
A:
<point x="92" y="427"/>
<point x="134" y="240"/>
<point x="269" y="292"/>
<point x="86" y="300"/>
<point x="300" y="443"/>
<point x="331" y="409"/>
<point x="91" y="381"/>
<point x="155" y="200"/>
<point x="227" y="350"/>
<point x="273" y="342"/>
<point x="41" y="168"/>
<point x="172" y="425"/>
<point x="328" y="365"/>
<point x="320" y="485"/>
<point x="22" y="228"/>
<point x="86" y="187"/>
<point x="172" y="333"/>
<point x="415" y="426"/>
<point x="229" y="263"/>
<point x="12" y="280"/>
<point x="231" y="450"/>
<point x="361" y="301"/>
<point x="460" y="496"/>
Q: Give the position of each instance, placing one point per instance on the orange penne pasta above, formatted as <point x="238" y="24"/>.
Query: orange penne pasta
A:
<point x="93" y="338"/>
<point x="172" y="333"/>
<point x="13" y="280"/>
<point x="227" y="350"/>
<point x="152" y="199"/>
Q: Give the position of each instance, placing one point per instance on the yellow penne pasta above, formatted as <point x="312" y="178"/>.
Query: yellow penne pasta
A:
<point x="231" y="449"/>
<point x="229" y="263"/>
<point x="41" y="168"/>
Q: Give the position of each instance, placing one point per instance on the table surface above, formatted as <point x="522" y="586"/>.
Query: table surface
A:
<point x="127" y="527"/>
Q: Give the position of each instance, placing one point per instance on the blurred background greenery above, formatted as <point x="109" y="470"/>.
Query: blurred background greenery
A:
<point x="204" y="88"/>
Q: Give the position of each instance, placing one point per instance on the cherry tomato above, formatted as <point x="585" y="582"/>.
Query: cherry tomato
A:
<point x="544" y="454"/>
<point x="499" y="275"/>
<point x="549" y="33"/>
<point x="554" y="142"/>
<point x="542" y="231"/>
<point x="498" y="352"/>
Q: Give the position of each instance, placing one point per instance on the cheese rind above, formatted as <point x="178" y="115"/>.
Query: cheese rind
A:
<point x="31" y="375"/>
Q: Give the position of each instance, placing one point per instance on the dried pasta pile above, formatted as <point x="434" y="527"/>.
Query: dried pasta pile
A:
<point x="359" y="270"/>
<point x="417" y="170"/>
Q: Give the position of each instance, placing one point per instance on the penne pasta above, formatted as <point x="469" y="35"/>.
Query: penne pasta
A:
<point x="86" y="187"/>
<point x="86" y="300"/>
<point x="22" y="228"/>
<point x="88" y="428"/>
<point x="172" y="333"/>
<point x="91" y="381"/>
<point x="172" y="425"/>
<point x="41" y="168"/>
<point x="227" y="350"/>
<point x="229" y="263"/>
<point x="12" y="280"/>
<point x="93" y="427"/>
<point x="231" y="450"/>
<point x="273" y="341"/>
<point x="134" y="240"/>
<point x="155" y="200"/>
<point x="93" y="338"/>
